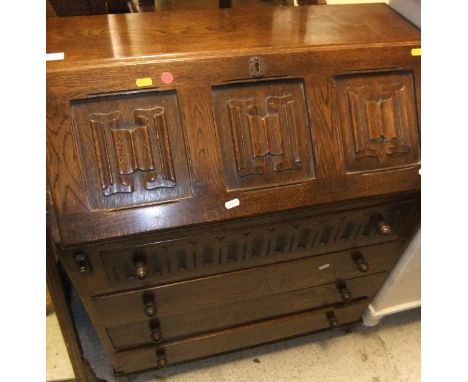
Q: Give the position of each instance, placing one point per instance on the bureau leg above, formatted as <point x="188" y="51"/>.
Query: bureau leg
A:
<point x="56" y="286"/>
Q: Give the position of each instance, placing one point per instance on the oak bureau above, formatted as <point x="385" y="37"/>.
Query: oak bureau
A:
<point x="223" y="179"/>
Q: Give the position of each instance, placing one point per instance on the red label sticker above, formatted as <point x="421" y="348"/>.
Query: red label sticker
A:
<point x="167" y="78"/>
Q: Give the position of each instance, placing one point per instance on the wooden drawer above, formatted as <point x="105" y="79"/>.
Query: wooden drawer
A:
<point x="185" y="297"/>
<point x="237" y="338"/>
<point x="114" y="268"/>
<point x="234" y="314"/>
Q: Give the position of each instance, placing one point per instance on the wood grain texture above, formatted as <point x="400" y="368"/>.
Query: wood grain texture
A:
<point x="234" y="314"/>
<point x="81" y="81"/>
<point x="308" y="116"/>
<point x="210" y="208"/>
<point x="78" y="7"/>
<point x="184" y="34"/>
<point x="50" y="11"/>
<point x="281" y="282"/>
<point x="378" y="120"/>
<point x="237" y="338"/>
<point x="193" y="85"/>
<point x="113" y="262"/>
<point x="199" y="294"/>
<point x="189" y="254"/>
<point x="205" y="163"/>
<point x="57" y="287"/>
<point x="322" y="116"/>
<point x="264" y="134"/>
<point x="63" y="162"/>
<point x="132" y="148"/>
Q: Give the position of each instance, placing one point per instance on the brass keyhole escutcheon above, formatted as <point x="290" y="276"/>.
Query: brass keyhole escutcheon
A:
<point x="257" y="67"/>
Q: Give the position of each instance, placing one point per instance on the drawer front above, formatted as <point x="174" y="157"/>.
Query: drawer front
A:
<point x="237" y="338"/>
<point x="229" y="315"/>
<point x="116" y="268"/>
<point x="186" y="297"/>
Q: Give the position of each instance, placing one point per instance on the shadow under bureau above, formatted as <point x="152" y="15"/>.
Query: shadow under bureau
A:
<point x="223" y="179"/>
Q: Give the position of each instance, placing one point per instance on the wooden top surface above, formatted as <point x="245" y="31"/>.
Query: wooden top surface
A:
<point x="110" y="39"/>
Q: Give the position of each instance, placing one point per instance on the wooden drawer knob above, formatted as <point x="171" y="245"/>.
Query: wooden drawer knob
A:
<point x="162" y="361"/>
<point x="81" y="259"/>
<point x="141" y="269"/>
<point x="361" y="264"/>
<point x="150" y="309"/>
<point x="345" y="295"/>
<point x="149" y="305"/>
<point x="384" y="228"/>
<point x="344" y="292"/>
<point x="332" y="320"/>
<point x="156" y="334"/>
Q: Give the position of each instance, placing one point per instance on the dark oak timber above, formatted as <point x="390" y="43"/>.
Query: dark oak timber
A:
<point x="309" y="116"/>
<point x="57" y="287"/>
<point x="309" y="50"/>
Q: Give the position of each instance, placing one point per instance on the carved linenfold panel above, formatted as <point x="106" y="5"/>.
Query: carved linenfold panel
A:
<point x="264" y="133"/>
<point x="155" y="130"/>
<point x="137" y="146"/>
<point x="255" y="137"/>
<point x="122" y="150"/>
<point x="253" y="246"/>
<point x="378" y="120"/>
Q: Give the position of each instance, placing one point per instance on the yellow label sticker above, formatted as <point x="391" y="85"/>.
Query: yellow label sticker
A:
<point x="416" y="51"/>
<point x="140" y="82"/>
